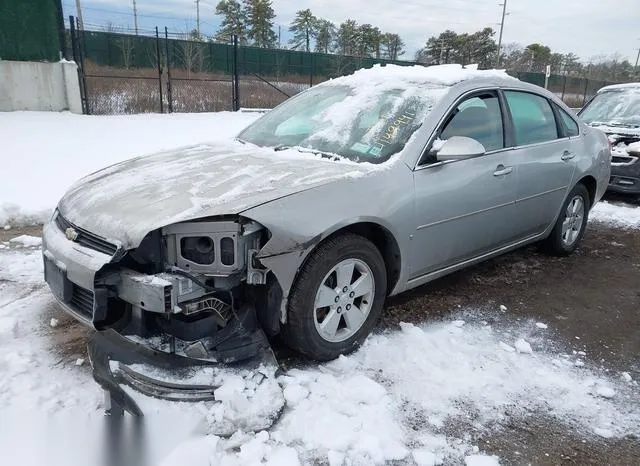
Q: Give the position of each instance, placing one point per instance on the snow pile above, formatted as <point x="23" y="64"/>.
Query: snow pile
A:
<point x="438" y="75"/>
<point x="36" y="171"/>
<point x="26" y="241"/>
<point x="618" y="215"/>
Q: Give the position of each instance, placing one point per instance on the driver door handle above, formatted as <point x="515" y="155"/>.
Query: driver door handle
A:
<point x="502" y="170"/>
<point x="566" y="155"/>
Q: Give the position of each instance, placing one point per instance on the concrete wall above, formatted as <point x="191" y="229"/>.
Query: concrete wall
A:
<point x="39" y="86"/>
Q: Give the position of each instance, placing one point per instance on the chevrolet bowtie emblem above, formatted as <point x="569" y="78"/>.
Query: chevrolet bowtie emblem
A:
<point x="71" y="234"/>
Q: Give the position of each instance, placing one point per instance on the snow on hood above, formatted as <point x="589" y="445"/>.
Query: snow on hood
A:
<point x="126" y="201"/>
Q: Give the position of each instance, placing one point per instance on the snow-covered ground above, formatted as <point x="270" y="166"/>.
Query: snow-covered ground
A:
<point x="393" y="400"/>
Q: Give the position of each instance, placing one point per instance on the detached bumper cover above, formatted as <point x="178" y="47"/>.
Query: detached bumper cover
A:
<point x="117" y="361"/>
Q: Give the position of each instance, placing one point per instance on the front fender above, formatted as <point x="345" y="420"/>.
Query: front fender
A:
<point x="298" y="223"/>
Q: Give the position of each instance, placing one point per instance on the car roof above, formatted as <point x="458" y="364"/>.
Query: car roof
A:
<point x="617" y="87"/>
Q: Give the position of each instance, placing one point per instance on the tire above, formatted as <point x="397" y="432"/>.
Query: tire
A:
<point x="309" y="327"/>
<point x="561" y="242"/>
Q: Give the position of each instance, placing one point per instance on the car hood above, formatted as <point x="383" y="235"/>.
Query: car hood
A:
<point x="124" y="202"/>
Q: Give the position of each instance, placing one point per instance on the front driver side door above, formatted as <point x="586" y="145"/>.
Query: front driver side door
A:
<point x="464" y="209"/>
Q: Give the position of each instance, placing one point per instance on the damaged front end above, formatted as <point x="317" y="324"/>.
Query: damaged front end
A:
<point x="191" y="297"/>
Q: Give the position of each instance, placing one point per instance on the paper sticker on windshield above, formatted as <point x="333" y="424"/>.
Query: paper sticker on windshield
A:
<point x="376" y="149"/>
<point x="360" y="147"/>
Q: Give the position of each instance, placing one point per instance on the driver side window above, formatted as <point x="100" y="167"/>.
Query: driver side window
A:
<point x="478" y="117"/>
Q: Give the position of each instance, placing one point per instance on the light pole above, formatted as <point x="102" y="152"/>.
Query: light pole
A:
<point x="198" y="17"/>
<point x="135" y="17"/>
<point x="504" y="13"/>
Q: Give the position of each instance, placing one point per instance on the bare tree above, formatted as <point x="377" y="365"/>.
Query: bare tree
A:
<point x="123" y="42"/>
<point x="191" y="53"/>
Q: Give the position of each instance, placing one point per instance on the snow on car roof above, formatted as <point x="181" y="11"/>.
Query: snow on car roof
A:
<point x="615" y="87"/>
<point x="437" y="75"/>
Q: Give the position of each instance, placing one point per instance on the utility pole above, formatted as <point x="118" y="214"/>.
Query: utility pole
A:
<point x="279" y="38"/>
<point x="198" y="17"/>
<point x="504" y="13"/>
<point x="79" y="16"/>
<point x="135" y="17"/>
<point x="637" y="59"/>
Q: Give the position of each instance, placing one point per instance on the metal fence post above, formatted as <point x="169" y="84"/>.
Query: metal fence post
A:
<point x="77" y="57"/>
<point x="586" y="86"/>
<point x="564" y="87"/>
<point x="159" y="69"/>
<point x="169" y="94"/>
<point x="236" y="87"/>
<point x="311" y="71"/>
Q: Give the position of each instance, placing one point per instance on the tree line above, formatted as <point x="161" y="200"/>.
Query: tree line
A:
<point x="252" y="21"/>
<point x="481" y="48"/>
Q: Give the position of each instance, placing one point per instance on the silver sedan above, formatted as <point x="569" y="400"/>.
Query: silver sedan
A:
<point x="357" y="189"/>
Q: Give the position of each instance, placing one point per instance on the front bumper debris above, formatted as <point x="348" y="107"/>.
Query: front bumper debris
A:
<point x="119" y="362"/>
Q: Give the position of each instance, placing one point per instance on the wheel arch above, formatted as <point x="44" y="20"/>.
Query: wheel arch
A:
<point x="591" y="184"/>
<point x="383" y="240"/>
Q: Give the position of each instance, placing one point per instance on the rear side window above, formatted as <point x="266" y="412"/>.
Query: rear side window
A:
<point x="533" y="118"/>
<point x="570" y="126"/>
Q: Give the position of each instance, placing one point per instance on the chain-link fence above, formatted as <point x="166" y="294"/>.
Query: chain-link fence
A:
<point x="124" y="73"/>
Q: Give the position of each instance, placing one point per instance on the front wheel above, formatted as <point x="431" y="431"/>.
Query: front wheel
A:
<point x="569" y="228"/>
<point x="337" y="298"/>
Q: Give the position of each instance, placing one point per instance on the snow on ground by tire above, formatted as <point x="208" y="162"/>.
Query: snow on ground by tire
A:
<point x="394" y="400"/>
<point x="43" y="153"/>
<point x="617" y="215"/>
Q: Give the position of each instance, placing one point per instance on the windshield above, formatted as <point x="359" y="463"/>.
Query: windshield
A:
<point x="614" y="108"/>
<point x="367" y="123"/>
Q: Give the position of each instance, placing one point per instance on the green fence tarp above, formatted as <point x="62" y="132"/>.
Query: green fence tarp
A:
<point x="30" y="30"/>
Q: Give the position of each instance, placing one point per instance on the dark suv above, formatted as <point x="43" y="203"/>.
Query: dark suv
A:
<point x="616" y="111"/>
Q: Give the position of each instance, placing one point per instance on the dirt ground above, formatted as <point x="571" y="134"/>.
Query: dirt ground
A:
<point x="590" y="298"/>
<point x="593" y="296"/>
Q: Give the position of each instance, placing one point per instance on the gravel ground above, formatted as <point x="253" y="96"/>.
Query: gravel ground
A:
<point x="591" y="299"/>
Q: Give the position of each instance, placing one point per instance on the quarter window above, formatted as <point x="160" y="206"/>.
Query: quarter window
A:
<point x="570" y="125"/>
<point x="533" y="118"/>
<point x="479" y="118"/>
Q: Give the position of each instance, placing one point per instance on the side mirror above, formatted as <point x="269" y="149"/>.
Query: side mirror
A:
<point x="460" y="148"/>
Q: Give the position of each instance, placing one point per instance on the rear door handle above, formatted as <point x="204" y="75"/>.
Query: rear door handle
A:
<point x="502" y="170"/>
<point x="566" y="155"/>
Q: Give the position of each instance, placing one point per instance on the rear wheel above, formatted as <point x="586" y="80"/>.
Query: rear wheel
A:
<point x="571" y="224"/>
<point x="337" y="298"/>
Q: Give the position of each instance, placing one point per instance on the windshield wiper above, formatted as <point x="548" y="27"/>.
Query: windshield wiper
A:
<point x="305" y="150"/>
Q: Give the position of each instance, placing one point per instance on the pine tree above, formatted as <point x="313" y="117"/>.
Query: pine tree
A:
<point x="346" y="38"/>
<point x="302" y="28"/>
<point x="260" y="16"/>
<point x="234" y="22"/>
<point x="392" y="46"/>
<point x="368" y="38"/>
<point x="324" y="33"/>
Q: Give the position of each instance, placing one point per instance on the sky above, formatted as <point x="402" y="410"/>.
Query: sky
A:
<point x="588" y="28"/>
